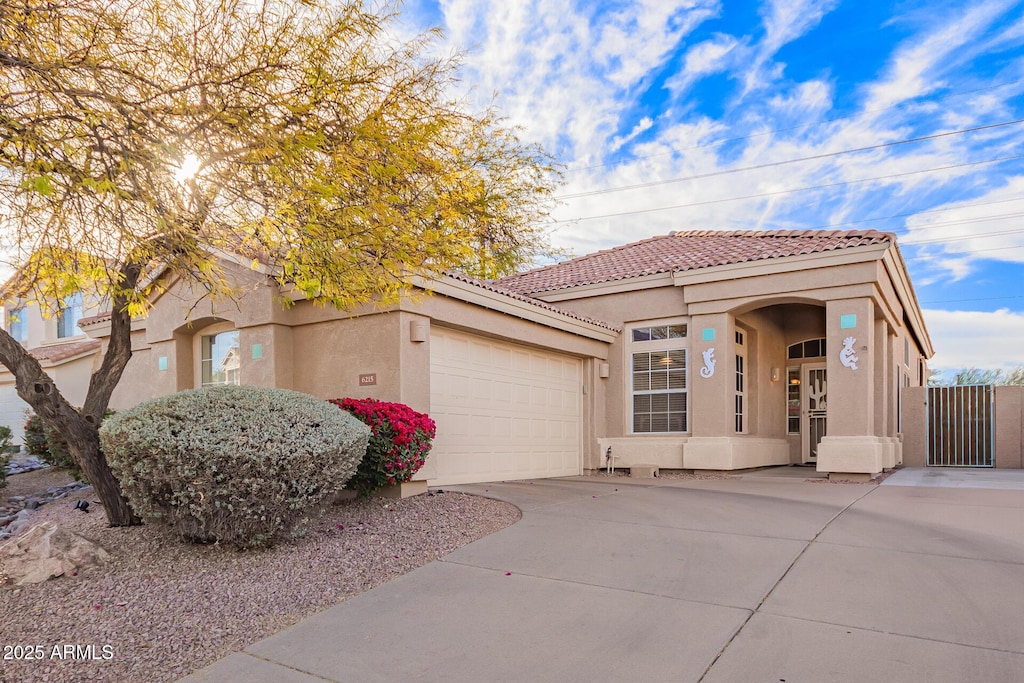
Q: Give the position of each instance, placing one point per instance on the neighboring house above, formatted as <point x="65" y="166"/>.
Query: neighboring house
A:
<point x="56" y="340"/>
<point x="693" y="350"/>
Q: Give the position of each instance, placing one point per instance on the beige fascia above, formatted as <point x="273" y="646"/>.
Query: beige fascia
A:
<point x="100" y="330"/>
<point x="776" y="266"/>
<point x="479" y="296"/>
<point x="897" y="270"/>
<point x="862" y="290"/>
<point x="600" y="289"/>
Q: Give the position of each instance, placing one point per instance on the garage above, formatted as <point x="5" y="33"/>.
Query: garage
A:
<point x="503" y="411"/>
<point x="13" y="411"/>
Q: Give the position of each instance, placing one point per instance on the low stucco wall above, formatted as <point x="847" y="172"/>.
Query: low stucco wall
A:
<point x="1009" y="432"/>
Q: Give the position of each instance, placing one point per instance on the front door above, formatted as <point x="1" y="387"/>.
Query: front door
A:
<point x="815" y="405"/>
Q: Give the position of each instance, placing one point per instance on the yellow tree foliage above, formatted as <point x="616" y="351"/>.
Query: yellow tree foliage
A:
<point x="137" y="134"/>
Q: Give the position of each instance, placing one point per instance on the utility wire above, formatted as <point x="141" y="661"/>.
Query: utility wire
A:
<point x="789" y="191"/>
<point x="776" y="164"/>
<point x="985" y="298"/>
<point x="790" y="128"/>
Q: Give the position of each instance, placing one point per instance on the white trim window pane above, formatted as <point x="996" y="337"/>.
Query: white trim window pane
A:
<point x="68" y="315"/>
<point x="659" y="391"/>
<point x="17" y="326"/>
<point x="221" y="360"/>
<point x="642" y="334"/>
<point x="792" y="400"/>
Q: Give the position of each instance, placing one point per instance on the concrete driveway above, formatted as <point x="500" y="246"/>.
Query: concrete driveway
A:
<point x="764" y="577"/>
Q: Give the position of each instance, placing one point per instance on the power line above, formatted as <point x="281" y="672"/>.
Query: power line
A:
<point x="789" y="191"/>
<point x="776" y="164"/>
<point x="917" y="213"/>
<point x="986" y="298"/>
<point x="790" y="128"/>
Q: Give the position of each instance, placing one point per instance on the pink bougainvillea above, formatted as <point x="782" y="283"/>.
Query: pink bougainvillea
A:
<point x="398" y="446"/>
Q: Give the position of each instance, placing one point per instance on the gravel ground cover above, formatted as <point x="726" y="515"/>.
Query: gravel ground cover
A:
<point x="162" y="608"/>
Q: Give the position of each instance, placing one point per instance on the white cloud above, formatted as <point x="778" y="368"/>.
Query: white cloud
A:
<point x="919" y="65"/>
<point x="952" y="236"/>
<point x="784" y="22"/>
<point x="988" y="340"/>
<point x="644" y="124"/>
<point x="704" y="58"/>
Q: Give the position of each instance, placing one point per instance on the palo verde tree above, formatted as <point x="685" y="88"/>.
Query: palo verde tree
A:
<point x="146" y="135"/>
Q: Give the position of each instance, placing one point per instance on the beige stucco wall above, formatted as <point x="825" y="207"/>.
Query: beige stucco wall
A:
<point x="1009" y="437"/>
<point x="1009" y="427"/>
<point x="774" y="304"/>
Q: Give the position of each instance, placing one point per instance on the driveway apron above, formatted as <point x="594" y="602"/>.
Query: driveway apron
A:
<point x="751" y="578"/>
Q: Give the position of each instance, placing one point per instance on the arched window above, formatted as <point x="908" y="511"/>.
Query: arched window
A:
<point x="812" y="348"/>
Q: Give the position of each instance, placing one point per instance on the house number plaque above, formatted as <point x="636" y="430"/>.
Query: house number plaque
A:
<point x="368" y="380"/>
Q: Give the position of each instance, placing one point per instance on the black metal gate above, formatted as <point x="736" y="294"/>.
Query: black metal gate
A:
<point x="961" y="426"/>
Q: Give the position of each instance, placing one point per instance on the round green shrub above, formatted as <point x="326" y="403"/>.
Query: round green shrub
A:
<point x="232" y="464"/>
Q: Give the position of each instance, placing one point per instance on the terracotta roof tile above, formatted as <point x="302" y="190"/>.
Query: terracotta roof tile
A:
<point x="499" y="289"/>
<point x="686" y="250"/>
<point x="106" y="316"/>
<point x="59" y="352"/>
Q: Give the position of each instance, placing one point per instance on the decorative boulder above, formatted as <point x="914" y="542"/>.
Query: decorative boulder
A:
<point x="47" y="551"/>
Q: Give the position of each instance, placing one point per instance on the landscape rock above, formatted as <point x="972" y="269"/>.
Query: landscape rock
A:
<point x="47" y="551"/>
<point x="25" y="464"/>
<point x="14" y="515"/>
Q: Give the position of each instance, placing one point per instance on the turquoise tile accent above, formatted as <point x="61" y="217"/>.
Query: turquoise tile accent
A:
<point x="848" y="321"/>
<point x="161" y="363"/>
<point x="707" y="334"/>
<point x="257" y="350"/>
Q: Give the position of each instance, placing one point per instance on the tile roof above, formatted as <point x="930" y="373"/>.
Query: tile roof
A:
<point x="59" y="352"/>
<point x="686" y="250"/>
<point x="499" y="289"/>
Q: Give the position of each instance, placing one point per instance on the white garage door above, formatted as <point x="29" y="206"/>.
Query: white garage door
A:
<point x="12" y="412"/>
<point x="503" y="411"/>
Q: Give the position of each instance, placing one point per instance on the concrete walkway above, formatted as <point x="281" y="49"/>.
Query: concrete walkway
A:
<point x="758" y="578"/>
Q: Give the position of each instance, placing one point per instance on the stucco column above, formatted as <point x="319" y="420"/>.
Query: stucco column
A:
<point x="712" y="375"/>
<point x="851" y="445"/>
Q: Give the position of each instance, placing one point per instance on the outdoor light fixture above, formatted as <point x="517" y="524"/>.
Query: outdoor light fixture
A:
<point x="417" y="331"/>
<point x="776" y="374"/>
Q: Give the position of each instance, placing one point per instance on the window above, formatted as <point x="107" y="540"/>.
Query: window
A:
<point x="658" y="378"/>
<point x="792" y="400"/>
<point x="221" y="360"/>
<point x="659" y="391"/>
<point x="741" y="389"/>
<point x="812" y="348"/>
<point x="68" y="315"/>
<point x="642" y="334"/>
<point x="17" y="326"/>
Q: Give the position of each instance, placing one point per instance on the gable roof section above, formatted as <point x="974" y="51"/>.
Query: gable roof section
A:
<point x="686" y="250"/>
<point x="55" y="354"/>
<point x="497" y="288"/>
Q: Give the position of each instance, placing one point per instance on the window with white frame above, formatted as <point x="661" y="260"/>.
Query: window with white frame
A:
<point x="17" y="326"/>
<point x="220" y="362"/>
<point x="68" y="315"/>
<point x="793" y="400"/>
<point x="658" y="358"/>
<point x="741" y="384"/>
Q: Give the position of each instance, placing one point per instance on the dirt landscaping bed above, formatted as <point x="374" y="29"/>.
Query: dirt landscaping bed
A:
<point x="162" y="608"/>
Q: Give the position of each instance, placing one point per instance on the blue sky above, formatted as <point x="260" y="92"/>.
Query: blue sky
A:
<point x="636" y="93"/>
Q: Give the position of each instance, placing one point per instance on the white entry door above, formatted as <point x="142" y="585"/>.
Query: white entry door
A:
<point x="503" y="411"/>
<point x="814" y="400"/>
